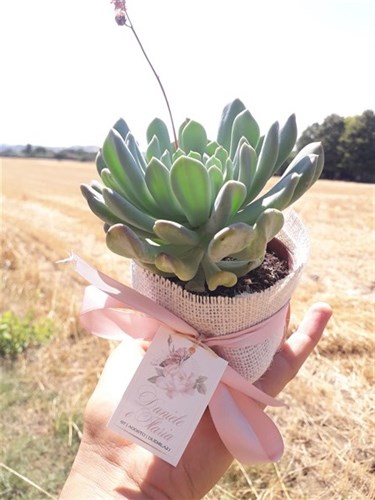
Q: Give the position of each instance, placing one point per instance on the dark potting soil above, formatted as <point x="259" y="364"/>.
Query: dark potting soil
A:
<point x="272" y="269"/>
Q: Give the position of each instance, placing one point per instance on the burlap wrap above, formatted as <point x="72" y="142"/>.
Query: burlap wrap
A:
<point x="213" y="316"/>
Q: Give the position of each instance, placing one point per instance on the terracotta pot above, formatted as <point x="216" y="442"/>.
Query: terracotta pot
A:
<point x="217" y="316"/>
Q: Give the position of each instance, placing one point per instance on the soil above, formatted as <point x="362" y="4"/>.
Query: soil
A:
<point x="272" y="269"/>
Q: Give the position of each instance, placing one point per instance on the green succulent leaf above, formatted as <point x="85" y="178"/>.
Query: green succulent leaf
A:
<point x="287" y="140"/>
<point x="216" y="177"/>
<point x="180" y="129"/>
<point x="177" y="154"/>
<point x="308" y="176"/>
<point x="121" y="127"/>
<point x="259" y="145"/>
<point x="195" y="155"/>
<point x="304" y="169"/>
<point x="100" y="163"/>
<point x="266" y="161"/>
<point x="269" y="224"/>
<point x="314" y="148"/>
<point x="127" y="172"/>
<point x="155" y="270"/>
<point x="97" y="187"/>
<point x="153" y="149"/>
<point x="135" y="151"/>
<point x="229" y="114"/>
<point x="215" y="277"/>
<point x="222" y="155"/>
<point x="166" y="159"/>
<point x="247" y="163"/>
<point x="174" y="233"/>
<point x="255" y="251"/>
<point x="279" y="197"/>
<point x="211" y="147"/>
<point x="117" y="157"/>
<point x="214" y="162"/>
<point x="230" y="240"/>
<point x="192" y="187"/>
<point x="124" y="241"/>
<point x="227" y="203"/>
<point x="238" y="267"/>
<point x="184" y="267"/>
<point x="228" y="170"/>
<point x="320" y="162"/>
<point x="126" y="211"/>
<point x="159" y="129"/>
<point x="193" y="138"/>
<point x="221" y="278"/>
<point x="198" y="283"/>
<point x="109" y="181"/>
<point x="158" y="183"/>
<point x="244" y="125"/>
<point x="253" y="254"/>
<point x="96" y="203"/>
<point x="242" y="141"/>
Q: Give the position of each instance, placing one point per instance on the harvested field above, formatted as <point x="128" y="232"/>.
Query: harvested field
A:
<point x="329" y="426"/>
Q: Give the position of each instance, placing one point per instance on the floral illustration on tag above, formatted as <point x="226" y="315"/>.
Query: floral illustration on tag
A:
<point x="173" y="377"/>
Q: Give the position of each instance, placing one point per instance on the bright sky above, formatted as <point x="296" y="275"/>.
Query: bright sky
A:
<point x="68" y="71"/>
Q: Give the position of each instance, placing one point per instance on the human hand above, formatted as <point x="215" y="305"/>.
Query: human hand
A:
<point x="109" y="466"/>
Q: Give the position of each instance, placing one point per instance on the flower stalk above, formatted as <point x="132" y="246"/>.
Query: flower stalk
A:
<point x="122" y="19"/>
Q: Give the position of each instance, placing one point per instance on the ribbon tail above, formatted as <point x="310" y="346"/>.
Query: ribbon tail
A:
<point x="106" y="317"/>
<point x="247" y="432"/>
<point x="234" y="380"/>
<point x="129" y="298"/>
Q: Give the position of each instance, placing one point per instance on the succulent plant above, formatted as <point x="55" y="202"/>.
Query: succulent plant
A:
<point x="195" y="209"/>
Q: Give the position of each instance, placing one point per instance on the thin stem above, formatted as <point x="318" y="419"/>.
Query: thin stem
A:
<point x="27" y="480"/>
<point x="130" y="25"/>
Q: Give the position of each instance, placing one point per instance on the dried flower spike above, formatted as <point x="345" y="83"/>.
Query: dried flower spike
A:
<point x="122" y="19"/>
<point x="119" y="4"/>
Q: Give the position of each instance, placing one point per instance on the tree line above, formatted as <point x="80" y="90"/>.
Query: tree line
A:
<point x="30" y="151"/>
<point x="349" y="146"/>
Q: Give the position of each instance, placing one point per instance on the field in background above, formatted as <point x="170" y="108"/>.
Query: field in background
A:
<point x="329" y="426"/>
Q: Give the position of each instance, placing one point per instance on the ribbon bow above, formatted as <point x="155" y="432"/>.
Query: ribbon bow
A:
<point x="111" y="310"/>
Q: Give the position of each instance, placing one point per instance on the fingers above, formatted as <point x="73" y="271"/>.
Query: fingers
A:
<point x="296" y="349"/>
<point x="300" y="344"/>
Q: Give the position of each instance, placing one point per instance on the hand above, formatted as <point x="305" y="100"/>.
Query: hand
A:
<point x="109" y="466"/>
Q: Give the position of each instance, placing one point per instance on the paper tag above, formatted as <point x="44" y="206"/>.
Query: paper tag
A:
<point x="168" y="394"/>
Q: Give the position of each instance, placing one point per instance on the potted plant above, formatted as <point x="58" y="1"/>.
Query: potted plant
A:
<point x="190" y="217"/>
<point x="193" y="216"/>
<point x="216" y="252"/>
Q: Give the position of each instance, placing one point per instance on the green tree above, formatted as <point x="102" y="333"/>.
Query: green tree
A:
<point x="40" y="151"/>
<point x="311" y="134"/>
<point x="28" y="150"/>
<point x="357" y="147"/>
<point x="329" y="133"/>
<point x="349" y="146"/>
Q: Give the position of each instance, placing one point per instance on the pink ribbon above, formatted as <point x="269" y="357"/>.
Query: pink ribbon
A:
<point x="112" y="310"/>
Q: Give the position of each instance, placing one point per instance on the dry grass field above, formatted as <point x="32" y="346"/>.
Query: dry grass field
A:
<point x="329" y="426"/>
